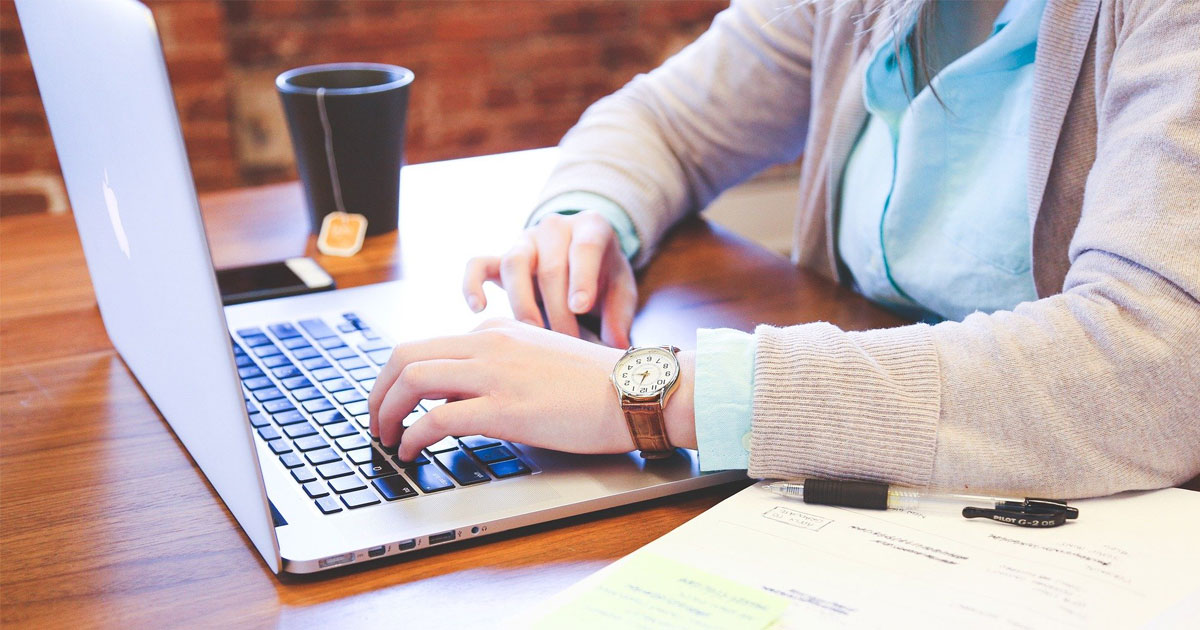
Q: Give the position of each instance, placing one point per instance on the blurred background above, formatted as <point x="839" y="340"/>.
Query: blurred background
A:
<point x="492" y="76"/>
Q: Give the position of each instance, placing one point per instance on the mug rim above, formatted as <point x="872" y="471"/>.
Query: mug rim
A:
<point x="283" y="81"/>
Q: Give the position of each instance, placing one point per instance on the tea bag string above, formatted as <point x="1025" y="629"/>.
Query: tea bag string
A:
<point x="333" y="174"/>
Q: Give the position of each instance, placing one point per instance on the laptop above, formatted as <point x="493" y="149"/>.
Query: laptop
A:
<point x="269" y="398"/>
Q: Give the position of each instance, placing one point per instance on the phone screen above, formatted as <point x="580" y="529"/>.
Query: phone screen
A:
<point x="294" y="276"/>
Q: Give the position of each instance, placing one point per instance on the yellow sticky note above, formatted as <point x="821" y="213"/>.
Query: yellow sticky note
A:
<point x="656" y="593"/>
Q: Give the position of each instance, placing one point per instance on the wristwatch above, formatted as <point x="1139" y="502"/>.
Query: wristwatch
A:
<point x="645" y="378"/>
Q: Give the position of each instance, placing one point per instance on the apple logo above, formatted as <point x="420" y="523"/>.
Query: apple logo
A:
<point x="110" y="200"/>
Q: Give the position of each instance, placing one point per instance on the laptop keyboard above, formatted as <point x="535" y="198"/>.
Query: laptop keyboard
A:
<point x="306" y="385"/>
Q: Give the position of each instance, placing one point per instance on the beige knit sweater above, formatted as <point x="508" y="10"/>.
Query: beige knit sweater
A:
<point x="1092" y="389"/>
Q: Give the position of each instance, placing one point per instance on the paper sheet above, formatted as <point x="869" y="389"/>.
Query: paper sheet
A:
<point x="1128" y="561"/>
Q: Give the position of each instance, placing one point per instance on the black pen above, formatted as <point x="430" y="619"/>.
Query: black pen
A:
<point x="1028" y="512"/>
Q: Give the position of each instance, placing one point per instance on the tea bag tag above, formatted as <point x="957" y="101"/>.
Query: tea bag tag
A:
<point x="342" y="234"/>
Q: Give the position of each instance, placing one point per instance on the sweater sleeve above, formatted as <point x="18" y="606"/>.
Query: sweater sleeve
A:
<point x="728" y="105"/>
<point x="1085" y="393"/>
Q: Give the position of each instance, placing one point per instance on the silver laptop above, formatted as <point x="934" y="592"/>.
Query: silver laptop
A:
<point x="269" y="397"/>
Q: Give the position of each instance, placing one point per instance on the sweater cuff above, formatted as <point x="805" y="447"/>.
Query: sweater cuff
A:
<point x="724" y="398"/>
<point x="837" y="405"/>
<point x="577" y="201"/>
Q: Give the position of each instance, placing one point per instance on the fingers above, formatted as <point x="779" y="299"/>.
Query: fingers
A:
<point x="589" y="243"/>
<point x="479" y="270"/>
<point x="439" y="378"/>
<point x="463" y="417"/>
<point x="620" y="303"/>
<point x="553" y="239"/>
<point x="402" y="355"/>
<point x="516" y="274"/>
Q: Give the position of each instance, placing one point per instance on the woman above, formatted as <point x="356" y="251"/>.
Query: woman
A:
<point x="1023" y="177"/>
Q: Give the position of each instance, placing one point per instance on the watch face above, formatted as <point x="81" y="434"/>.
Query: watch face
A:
<point x="646" y="372"/>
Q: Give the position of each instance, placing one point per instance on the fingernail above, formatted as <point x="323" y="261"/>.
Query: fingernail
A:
<point x="578" y="301"/>
<point x="473" y="302"/>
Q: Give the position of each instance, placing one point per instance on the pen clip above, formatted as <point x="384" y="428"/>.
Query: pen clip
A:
<point x="1035" y="513"/>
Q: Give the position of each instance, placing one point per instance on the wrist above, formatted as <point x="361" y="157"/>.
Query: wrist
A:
<point x="679" y="413"/>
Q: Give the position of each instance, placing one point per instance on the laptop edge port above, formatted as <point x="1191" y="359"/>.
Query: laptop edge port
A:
<point x="437" y="539"/>
<point x="375" y="552"/>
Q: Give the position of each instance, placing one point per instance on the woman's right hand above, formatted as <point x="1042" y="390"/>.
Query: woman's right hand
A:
<point x="573" y="264"/>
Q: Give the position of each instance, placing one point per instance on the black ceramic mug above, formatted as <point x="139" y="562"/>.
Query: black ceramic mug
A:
<point x="347" y="126"/>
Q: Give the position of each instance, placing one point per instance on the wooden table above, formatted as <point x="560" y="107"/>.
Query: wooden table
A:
<point x="106" y="522"/>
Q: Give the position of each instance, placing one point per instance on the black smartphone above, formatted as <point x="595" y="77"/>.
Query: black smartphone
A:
<point x="294" y="276"/>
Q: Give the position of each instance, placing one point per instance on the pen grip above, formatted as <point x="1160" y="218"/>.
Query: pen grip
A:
<point x="855" y="494"/>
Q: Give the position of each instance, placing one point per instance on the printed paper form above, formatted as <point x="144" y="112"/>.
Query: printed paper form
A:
<point x="1124" y="563"/>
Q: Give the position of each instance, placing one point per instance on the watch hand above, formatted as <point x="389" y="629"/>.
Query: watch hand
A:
<point x="644" y="375"/>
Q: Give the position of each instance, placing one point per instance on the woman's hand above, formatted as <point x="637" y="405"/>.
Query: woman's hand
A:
<point x="514" y="382"/>
<point x="579" y="268"/>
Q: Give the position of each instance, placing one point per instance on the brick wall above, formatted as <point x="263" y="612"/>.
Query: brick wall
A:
<point x="492" y="75"/>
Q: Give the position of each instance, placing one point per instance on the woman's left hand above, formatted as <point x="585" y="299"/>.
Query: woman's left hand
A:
<point x="516" y="382"/>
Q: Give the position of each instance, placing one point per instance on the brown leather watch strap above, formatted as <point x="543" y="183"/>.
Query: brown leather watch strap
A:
<point x="648" y="429"/>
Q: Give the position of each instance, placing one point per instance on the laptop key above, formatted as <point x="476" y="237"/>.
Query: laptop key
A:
<point x="276" y="361"/>
<point x="310" y="443"/>
<point x="326" y="374"/>
<point x="494" y="454"/>
<point x="303" y="475"/>
<point x="337" y="385"/>
<point x="361" y="455"/>
<point x="295" y="343"/>
<point x="379" y="357"/>
<point x="342" y="352"/>
<point x="347" y="327"/>
<point x="257" y="420"/>
<point x="291" y="460"/>
<point x="283" y="330"/>
<point x="296" y="382"/>
<point x="315" y="490"/>
<point x="307" y="393"/>
<point x="349" y="483"/>
<point x="464" y="471"/>
<point x="510" y="468"/>
<point x="256" y="383"/>
<point x="279" y="447"/>
<point x="377" y="469"/>
<point x="362" y="374"/>
<point x="329" y="417"/>
<point x="263" y="395"/>
<point x="305" y="352"/>
<point x="363" y="420"/>
<point x="291" y="416"/>
<point x="268" y="350"/>
<point x="328" y="505"/>
<point x="250" y="371"/>
<point x="357" y="408"/>
<point x="315" y="364"/>
<point x="368" y="384"/>
<point x="316" y="328"/>
<point x="333" y="470"/>
<point x="243" y="361"/>
<point x="341" y="429"/>
<point x="374" y="345"/>
<point x="476" y="442"/>
<point x="249" y="332"/>
<point x="331" y="343"/>
<point x="315" y="406"/>
<point x="352" y="363"/>
<point x="255" y="341"/>
<point x="323" y="456"/>
<point x="287" y="371"/>
<point x="421" y="460"/>
<point x="349" y="396"/>
<point x="428" y="478"/>
<point x="278" y="405"/>
<point x="299" y="430"/>
<point x="394" y="488"/>
<point x="269" y="433"/>
<point x="361" y="498"/>
<point x="443" y="445"/>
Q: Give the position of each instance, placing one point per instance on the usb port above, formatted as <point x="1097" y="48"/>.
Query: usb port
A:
<point x="375" y="552"/>
<point x="438" y="539"/>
